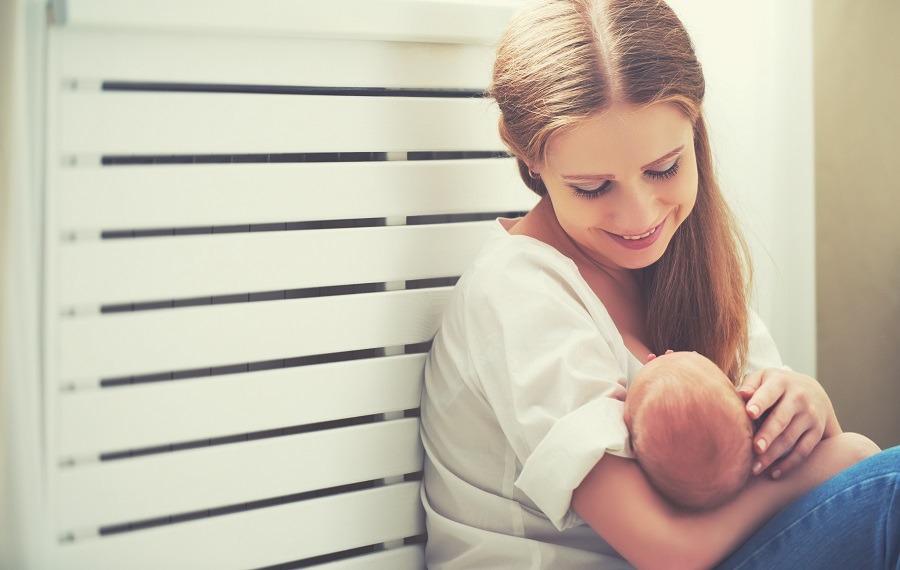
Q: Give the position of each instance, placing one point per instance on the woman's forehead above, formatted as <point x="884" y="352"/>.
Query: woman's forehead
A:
<point x="622" y="136"/>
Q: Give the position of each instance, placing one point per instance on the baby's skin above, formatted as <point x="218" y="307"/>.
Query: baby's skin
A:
<point x="689" y="430"/>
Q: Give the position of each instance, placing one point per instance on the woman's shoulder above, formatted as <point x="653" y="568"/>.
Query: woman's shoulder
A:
<point x="511" y="262"/>
<point x="525" y="278"/>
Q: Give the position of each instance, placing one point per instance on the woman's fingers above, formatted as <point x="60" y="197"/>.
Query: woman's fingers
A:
<point x="797" y="455"/>
<point x="765" y="394"/>
<point x="784" y="442"/>
<point x="749" y="384"/>
<point x="794" y="408"/>
<point x="772" y="428"/>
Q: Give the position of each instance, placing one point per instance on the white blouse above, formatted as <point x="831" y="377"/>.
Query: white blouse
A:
<point x="523" y="395"/>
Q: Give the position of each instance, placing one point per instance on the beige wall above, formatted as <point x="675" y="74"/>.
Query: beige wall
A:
<point x="6" y="44"/>
<point x="857" y="121"/>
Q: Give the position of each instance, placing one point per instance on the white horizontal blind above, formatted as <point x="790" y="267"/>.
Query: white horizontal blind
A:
<point x="451" y="21"/>
<point x="254" y="219"/>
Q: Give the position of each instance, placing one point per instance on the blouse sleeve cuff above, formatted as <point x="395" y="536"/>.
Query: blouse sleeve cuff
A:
<point x="568" y="453"/>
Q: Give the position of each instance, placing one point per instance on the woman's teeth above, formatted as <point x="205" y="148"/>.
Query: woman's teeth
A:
<point x="642" y="236"/>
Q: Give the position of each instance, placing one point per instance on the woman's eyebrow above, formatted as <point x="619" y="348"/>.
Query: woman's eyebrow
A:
<point x="663" y="158"/>
<point x="588" y="176"/>
<point x="656" y="162"/>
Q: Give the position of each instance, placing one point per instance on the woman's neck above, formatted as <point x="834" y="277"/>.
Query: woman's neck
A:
<point x="620" y="290"/>
<point x="542" y="224"/>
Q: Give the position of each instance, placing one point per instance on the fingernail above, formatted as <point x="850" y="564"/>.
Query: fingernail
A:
<point x="776" y="474"/>
<point x="757" y="467"/>
<point x="754" y="411"/>
<point x="761" y="444"/>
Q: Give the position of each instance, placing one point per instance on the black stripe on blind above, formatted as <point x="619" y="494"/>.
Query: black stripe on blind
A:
<point x="230" y="509"/>
<point x="239" y="438"/>
<point x="293" y="157"/>
<point x="342" y="555"/>
<point x="312" y="225"/>
<point x="294" y="90"/>
<point x="264" y="503"/>
<point x="243" y="228"/>
<point x="323" y="558"/>
<point x="256" y="297"/>
<point x="244" y="367"/>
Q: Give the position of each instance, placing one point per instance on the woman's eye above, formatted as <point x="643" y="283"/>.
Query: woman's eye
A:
<point x="607" y="184"/>
<point x="592" y="192"/>
<point x="663" y="174"/>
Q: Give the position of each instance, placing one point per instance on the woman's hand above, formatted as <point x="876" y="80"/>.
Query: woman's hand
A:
<point x="800" y="415"/>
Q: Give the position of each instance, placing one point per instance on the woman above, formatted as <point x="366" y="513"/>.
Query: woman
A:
<point x="631" y="250"/>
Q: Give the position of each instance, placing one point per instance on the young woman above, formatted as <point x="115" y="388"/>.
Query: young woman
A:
<point x="631" y="250"/>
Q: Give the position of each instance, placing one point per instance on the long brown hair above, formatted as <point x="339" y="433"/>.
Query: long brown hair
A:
<point x="561" y="61"/>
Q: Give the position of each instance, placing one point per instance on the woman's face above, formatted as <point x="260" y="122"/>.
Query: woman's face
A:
<point x="622" y="182"/>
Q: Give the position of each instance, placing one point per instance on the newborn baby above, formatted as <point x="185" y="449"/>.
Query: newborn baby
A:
<point x="689" y="431"/>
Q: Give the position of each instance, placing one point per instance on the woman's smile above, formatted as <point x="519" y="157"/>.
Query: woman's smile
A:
<point x="640" y="241"/>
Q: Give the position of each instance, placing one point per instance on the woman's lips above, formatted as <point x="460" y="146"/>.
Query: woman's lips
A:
<point x="639" y="242"/>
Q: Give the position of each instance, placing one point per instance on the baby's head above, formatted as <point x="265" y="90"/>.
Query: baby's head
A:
<point x="689" y="430"/>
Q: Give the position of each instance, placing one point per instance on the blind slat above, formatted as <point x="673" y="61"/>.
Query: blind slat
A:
<point x="146" y="415"/>
<point x="115" y="123"/>
<point x="137" y="197"/>
<point x="102" y="346"/>
<point x="128" y="270"/>
<point x="260" y="537"/>
<point x="113" y="492"/>
<point x="222" y="59"/>
<point x="451" y="21"/>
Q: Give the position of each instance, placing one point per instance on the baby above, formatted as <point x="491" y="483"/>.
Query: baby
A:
<point x="689" y="430"/>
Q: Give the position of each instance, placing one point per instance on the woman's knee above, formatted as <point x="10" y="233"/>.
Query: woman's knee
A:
<point x="857" y="446"/>
<point x="858" y="458"/>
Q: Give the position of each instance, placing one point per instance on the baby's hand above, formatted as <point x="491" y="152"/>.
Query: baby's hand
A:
<point x="651" y="356"/>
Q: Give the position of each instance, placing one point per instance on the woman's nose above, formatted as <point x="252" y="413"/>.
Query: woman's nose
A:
<point x="636" y="209"/>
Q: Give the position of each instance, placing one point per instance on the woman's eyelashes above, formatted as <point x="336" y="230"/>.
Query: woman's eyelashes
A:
<point x="663" y="174"/>
<point x="607" y="185"/>
<point x="593" y="192"/>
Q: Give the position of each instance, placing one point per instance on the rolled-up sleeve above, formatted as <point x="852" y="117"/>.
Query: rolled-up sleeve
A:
<point x="568" y="452"/>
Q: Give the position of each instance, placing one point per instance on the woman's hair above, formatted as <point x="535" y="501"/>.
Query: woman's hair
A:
<point x="562" y="61"/>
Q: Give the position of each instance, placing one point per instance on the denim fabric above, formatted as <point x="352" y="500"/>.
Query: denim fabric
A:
<point x="850" y="521"/>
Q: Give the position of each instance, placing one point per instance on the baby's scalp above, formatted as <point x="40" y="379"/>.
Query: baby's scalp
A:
<point x="687" y="363"/>
<point x="685" y="379"/>
<point x="689" y="429"/>
<point x="672" y="371"/>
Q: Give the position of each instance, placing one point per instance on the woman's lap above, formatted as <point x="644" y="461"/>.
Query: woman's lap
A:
<point x="850" y="521"/>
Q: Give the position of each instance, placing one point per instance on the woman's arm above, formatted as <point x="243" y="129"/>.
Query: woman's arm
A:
<point x="616" y="500"/>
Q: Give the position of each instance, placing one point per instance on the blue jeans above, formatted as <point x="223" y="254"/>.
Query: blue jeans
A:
<point x="850" y="521"/>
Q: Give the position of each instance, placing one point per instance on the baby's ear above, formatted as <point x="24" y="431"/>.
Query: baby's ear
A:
<point x="650" y="357"/>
